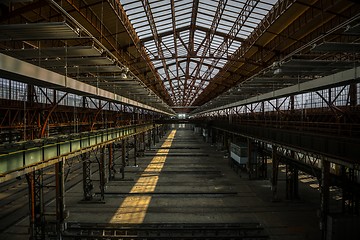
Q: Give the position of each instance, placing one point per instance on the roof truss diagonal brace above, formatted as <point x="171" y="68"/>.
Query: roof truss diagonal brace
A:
<point x="157" y="40"/>
<point x="174" y="38"/>
<point x="215" y="23"/>
<point x="244" y="14"/>
<point x="279" y="8"/>
<point x="190" y="47"/>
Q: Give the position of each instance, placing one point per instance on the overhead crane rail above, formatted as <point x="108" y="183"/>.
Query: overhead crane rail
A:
<point x="19" y="158"/>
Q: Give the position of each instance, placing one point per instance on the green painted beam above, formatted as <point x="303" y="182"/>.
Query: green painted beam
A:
<point x="19" y="162"/>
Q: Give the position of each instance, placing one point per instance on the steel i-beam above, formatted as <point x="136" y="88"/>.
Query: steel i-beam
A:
<point x="292" y="182"/>
<point x="87" y="183"/>
<point x="149" y="139"/>
<point x="123" y="158"/>
<point x="324" y="196"/>
<point x="275" y="171"/>
<point x="135" y="149"/>
<point x="60" y="198"/>
<point x="111" y="164"/>
<point x="251" y="159"/>
<point x="127" y="151"/>
<point x="102" y="183"/>
<point x="36" y="205"/>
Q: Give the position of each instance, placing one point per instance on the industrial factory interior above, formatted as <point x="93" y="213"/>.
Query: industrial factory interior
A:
<point x="180" y="119"/>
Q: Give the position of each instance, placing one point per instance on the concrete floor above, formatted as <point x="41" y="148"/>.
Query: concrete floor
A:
<point x="185" y="180"/>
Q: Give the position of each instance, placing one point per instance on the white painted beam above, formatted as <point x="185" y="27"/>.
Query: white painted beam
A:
<point x="18" y="70"/>
<point x="336" y="79"/>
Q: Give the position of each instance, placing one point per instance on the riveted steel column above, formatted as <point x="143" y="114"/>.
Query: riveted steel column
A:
<point x="350" y="197"/>
<point x="324" y="196"/>
<point x="149" y="139"/>
<point x="275" y="171"/>
<point x="127" y="149"/>
<point x="102" y="173"/>
<point x="263" y="167"/>
<point x="87" y="182"/>
<point x="251" y="160"/>
<point x="60" y="198"/>
<point x="142" y="144"/>
<point x="36" y="205"/>
<point x="123" y="158"/>
<point x="111" y="164"/>
<point x="157" y="138"/>
<point x="135" y="149"/>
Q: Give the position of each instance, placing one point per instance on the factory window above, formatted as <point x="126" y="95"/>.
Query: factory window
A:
<point x="256" y="107"/>
<point x="318" y="98"/>
<point x="18" y="91"/>
<point x="5" y="88"/>
<point x="59" y="95"/>
<point x="44" y="95"/>
<point x="339" y="95"/>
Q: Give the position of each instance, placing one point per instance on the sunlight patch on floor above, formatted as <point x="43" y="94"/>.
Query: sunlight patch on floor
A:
<point x="133" y="209"/>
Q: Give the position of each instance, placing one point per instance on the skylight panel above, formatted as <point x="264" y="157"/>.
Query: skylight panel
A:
<point x="168" y="40"/>
<point x="206" y="11"/>
<point x="184" y="35"/>
<point x="181" y="23"/>
<point x="133" y="11"/>
<point x="160" y="18"/>
<point x="224" y="29"/>
<point x="182" y="7"/>
<point x="181" y="12"/>
<point x="234" y="8"/>
<point x="261" y="11"/>
<point x="208" y="3"/>
<point x="164" y="28"/>
<point x="182" y="52"/>
<point x="161" y="12"/>
<point x="139" y="24"/>
<point x="256" y="17"/>
<point x="136" y="16"/>
<point x="139" y="29"/>
<point x="183" y="19"/>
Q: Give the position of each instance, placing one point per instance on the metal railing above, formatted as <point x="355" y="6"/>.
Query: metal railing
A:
<point x="19" y="158"/>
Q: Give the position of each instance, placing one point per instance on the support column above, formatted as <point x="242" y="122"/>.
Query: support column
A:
<point x="36" y="205"/>
<point x="296" y="183"/>
<point x="127" y="151"/>
<point x="102" y="173"/>
<point x="350" y="198"/>
<point x="251" y="160"/>
<point x="149" y="139"/>
<point x="263" y="167"/>
<point x="153" y="134"/>
<point x="87" y="182"/>
<point x="144" y="141"/>
<point x="157" y="137"/>
<point x="135" y="149"/>
<point x="142" y="144"/>
<point x="292" y="182"/>
<point x="123" y="158"/>
<point x="275" y="171"/>
<point x="213" y="136"/>
<point x="60" y="198"/>
<point x="324" y="197"/>
<point x="111" y="164"/>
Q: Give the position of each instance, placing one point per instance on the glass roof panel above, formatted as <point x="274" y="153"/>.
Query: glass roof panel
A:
<point x="202" y="44"/>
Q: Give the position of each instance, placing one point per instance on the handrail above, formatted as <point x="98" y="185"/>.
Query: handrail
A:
<point x="23" y="157"/>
